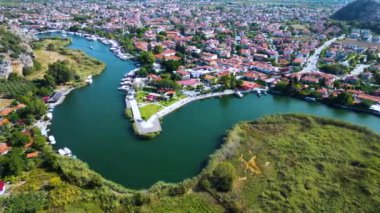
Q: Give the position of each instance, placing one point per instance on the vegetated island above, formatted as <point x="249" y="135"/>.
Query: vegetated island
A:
<point x="54" y="49"/>
<point x="277" y="163"/>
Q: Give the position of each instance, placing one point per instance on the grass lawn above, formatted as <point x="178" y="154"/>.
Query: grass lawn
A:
<point x="149" y="110"/>
<point x="140" y="95"/>
<point x="82" y="64"/>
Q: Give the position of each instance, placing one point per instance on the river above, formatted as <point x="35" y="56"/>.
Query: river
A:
<point x="91" y="123"/>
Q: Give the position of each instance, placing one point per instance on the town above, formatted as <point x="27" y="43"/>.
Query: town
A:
<point x="183" y="51"/>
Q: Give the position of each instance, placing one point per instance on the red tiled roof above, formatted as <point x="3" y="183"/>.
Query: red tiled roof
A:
<point x="4" y="121"/>
<point x="369" y="97"/>
<point x="32" y="154"/>
<point x="4" y="148"/>
<point x="189" y="82"/>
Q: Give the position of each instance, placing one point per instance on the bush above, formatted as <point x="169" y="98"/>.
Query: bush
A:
<point x="26" y="202"/>
<point x="223" y="177"/>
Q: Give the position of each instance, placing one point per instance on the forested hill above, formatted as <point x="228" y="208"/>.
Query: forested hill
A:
<point x="364" y="12"/>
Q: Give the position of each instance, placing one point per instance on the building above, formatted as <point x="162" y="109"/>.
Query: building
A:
<point x="56" y="97"/>
<point x="2" y="187"/>
<point x="4" y="149"/>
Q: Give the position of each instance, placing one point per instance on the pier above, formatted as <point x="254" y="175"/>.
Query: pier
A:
<point x="153" y="125"/>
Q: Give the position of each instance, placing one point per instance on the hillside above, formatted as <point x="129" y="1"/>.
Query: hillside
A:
<point x="278" y="163"/>
<point x="364" y="11"/>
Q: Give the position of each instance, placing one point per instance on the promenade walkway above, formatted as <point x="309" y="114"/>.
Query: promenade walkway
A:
<point x="153" y="123"/>
<point x="181" y="103"/>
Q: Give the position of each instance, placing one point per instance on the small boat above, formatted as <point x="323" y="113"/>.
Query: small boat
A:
<point x="49" y="115"/>
<point x="258" y="93"/>
<point x="89" y="79"/>
<point x="265" y="92"/>
<point x="238" y="94"/>
<point x="52" y="140"/>
<point x="92" y="47"/>
<point x="65" y="152"/>
<point x="310" y="99"/>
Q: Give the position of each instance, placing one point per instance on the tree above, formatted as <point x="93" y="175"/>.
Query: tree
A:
<point x="147" y="58"/>
<point x="15" y="161"/>
<point x="61" y="72"/>
<point x="223" y="177"/>
<point x="377" y="78"/>
<point x="19" y="139"/>
<point x="75" y="28"/>
<point x="230" y="81"/>
<point x="166" y="84"/>
<point x="158" y="49"/>
<point x="26" y="202"/>
<point x="344" y="98"/>
<point x="171" y="65"/>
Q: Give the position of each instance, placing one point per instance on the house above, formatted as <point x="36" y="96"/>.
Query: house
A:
<point x="189" y="82"/>
<point x="153" y="77"/>
<point x="152" y="97"/>
<point x="4" y="149"/>
<point x="56" y="97"/>
<point x="247" y="85"/>
<point x="141" y="46"/>
<point x="209" y="79"/>
<point x="351" y="79"/>
<point x="369" y="98"/>
<point x="2" y="187"/>
<point x="32" y="154"/>
<point x="3" y="121"/>
<point x="184" y="75"/>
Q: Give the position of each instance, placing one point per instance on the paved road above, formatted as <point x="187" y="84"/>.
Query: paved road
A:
<point x="358" y="69"/>
<point x="312" y="62"/>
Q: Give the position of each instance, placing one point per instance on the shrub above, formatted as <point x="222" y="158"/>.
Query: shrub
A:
<point x="223" y="177"/>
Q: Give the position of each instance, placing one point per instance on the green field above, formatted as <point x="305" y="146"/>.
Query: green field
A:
<point x="307" y="164"/>
<point x="11" y="89"/>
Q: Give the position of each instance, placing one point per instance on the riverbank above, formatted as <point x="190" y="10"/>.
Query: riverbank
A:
<point x="115" y="47"/>
<point x="249" y="156"/>
<point x="326" y="102"/>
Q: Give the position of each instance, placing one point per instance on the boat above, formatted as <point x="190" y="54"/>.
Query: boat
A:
<point x="238" y="94"/>
<point x="52" y="140"/>
<point x="49" y="115"/>
<point x="258" y="93"/>
<point x="310" y="99"/>
<point x="123" y="88"/>
<point x="91" y="38"/>
<point x="92" y="47"/>
<point x="265" y="92"/>
<point x="89" y="79"/>
<point x="65" y="152"/>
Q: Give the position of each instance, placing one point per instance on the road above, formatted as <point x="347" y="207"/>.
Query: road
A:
<point x="311" y="64"/>
<point x="357" y="71"/>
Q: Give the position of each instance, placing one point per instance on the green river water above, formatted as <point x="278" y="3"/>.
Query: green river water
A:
<point x="91" y="123"/>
